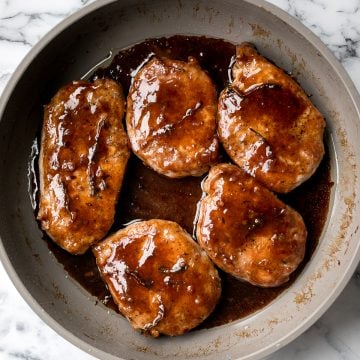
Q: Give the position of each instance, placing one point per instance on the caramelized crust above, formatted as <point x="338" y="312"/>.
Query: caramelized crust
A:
<point x="246" y="230"/>
<point x="268" y="125"/>
<point x="84" y="151"/>
<point x="159" y="277"/>
<point x="171" y="111"/>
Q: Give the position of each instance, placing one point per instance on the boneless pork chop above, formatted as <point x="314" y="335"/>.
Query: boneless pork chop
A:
<point x="246" y="230"/>
<point x="84" y="151"/>
<point x="268" y="125"/>
<point x="159" y="277"/>
<point x="170" y="119"/>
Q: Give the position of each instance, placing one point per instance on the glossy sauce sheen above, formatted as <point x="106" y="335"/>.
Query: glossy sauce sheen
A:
<point x="84" y="151"/>
<point x="246" y="230"/>
<point x="161" y="279"/>
<point x="268" y="125"/>
<point x="171" y="117"/>
<point x="266" y="103"/>
<point x="149" y="195"/>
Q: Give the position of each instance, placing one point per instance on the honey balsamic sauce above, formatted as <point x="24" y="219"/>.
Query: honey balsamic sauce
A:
<point x="147" y="195"/>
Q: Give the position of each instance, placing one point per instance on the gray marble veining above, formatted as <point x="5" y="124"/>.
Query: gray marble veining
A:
<point x="24" y="336"/>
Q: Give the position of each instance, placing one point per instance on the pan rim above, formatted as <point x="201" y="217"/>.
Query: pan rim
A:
<point x="282" y="15"/>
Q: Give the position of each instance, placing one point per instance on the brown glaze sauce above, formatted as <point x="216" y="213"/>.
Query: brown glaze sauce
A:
<point x="147" y="195"/>
<point x="236" y="216"/>
<point x="171" y="108"/>
<point x="79" y="135"/>
<point x="256" y="106"/>
<point x="154" y="269"/>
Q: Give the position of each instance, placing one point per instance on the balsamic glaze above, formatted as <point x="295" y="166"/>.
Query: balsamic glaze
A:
<point x="148" y="195"/>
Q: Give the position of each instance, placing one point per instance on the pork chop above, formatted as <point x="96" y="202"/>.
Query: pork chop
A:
<point x="268" y="125"/>
<point x="159" y="277"/>
<point x="84" y="151"/>
<point x="171" y="117"/>
<point x="246" y="230"/>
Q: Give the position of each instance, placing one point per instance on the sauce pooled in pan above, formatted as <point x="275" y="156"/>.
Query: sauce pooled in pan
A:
<point x="148" y="195"/>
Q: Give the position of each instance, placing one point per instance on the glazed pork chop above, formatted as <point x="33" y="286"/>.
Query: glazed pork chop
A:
<point x="246" y="230"/>
<point x="84" y="151"/>
<point x="159" y="277"/>
<point x="268" y="125"/>
<point x="171" y="117"/>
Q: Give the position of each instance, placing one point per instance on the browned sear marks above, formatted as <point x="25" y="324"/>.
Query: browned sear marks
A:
<point x="84" y="151"/>
<point x="268" y="125"/>
<point x="170" y="117"/>
<point x="247" y="231"/>
<point x="159" y="277"/>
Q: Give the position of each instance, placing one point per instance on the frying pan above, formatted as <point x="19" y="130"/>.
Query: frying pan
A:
<point x="71" y="49"/>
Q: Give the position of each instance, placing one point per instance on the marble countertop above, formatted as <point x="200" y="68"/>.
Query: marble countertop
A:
<point x="24" y="336"/>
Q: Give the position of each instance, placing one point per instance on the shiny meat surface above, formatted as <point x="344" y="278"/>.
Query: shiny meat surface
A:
<point x="268" y="125"/>
<point x="171" y="111"/>
<point x="246" y="230"/>
<point x="84" y="151"/>
<point x="159" y="277"/>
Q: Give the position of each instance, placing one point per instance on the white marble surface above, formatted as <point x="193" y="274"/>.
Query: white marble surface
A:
<point x="24" y="336"/>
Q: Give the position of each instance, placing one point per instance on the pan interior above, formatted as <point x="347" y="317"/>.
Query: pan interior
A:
<point x="69" y="54"/>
